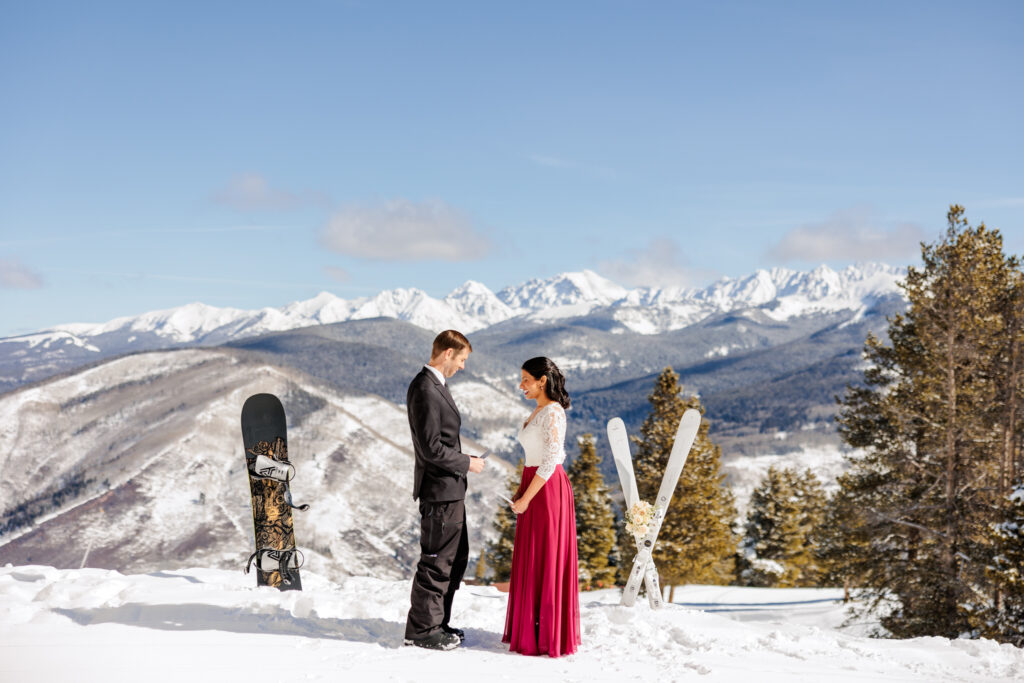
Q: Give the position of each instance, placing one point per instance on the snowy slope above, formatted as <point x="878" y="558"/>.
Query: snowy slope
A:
<point x="210" y="625"/>
<point x="154" y="442"/>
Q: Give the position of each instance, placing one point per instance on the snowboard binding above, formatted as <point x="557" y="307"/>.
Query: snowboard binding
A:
<point x="265" y="467"/>
<point x="282" y="561"/>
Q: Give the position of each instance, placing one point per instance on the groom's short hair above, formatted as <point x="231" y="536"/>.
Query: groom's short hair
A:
<point x="450" y="339"/>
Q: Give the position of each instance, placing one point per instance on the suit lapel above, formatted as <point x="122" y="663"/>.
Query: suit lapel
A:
<point x="443" y="389"/>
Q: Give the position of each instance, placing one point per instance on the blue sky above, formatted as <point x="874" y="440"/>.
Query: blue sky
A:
<point x="253" y="154"/>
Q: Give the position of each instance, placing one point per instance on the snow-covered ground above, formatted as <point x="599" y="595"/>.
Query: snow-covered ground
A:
<point x="214" y="625"/>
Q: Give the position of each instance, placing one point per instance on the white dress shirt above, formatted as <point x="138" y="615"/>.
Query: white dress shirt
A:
<point x="437" y="373"/>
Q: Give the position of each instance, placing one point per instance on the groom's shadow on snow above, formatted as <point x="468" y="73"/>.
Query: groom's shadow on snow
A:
<point x="262" y="619"/>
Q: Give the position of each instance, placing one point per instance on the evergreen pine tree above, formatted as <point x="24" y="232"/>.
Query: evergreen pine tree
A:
<point x="499" y="551"/>
<point x="1003" y="619"/>
<point x="480" y="573"/>
<point x="696" y="543"/>
<point x="932" y="423"/>
<point x="785" y="510"/>
<point x="595" y="521"/>
<point x="813" y="498"/>
<point x="1010" y="372"/>
<point x="841" y="541"/>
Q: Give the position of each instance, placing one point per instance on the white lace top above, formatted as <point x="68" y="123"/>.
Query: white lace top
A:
<point x="543" y="440"/>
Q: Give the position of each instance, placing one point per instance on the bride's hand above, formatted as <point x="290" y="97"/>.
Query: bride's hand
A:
<point x="519" y="506"/>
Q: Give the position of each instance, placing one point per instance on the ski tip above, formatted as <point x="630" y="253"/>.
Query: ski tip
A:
<point x="616" y="424"/>
<point x="690" y="417"/>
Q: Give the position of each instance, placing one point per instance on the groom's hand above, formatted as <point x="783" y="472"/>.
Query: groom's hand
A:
<point x="476" y="465"/>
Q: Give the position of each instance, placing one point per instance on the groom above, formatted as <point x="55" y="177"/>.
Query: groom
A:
<point x="440" y="486"/>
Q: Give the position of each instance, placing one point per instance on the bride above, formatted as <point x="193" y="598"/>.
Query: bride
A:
<point x="543" y="614"/>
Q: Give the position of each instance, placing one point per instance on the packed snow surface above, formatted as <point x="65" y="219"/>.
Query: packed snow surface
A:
<point x="215" y="625"/>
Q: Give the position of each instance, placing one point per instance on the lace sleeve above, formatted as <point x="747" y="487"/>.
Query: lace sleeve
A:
<point x="552" y="426"/>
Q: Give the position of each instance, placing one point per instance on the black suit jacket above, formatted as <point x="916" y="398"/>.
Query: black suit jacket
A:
<point x="434" y="419"/>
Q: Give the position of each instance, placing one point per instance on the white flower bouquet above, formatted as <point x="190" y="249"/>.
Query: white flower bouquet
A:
<point x="638" y="517"/>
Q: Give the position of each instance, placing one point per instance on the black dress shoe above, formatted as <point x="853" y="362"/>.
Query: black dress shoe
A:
<point x="439" y="640"/>
<point x="454" y="631"/>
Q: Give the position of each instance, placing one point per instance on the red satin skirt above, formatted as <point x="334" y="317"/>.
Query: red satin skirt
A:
<point x="543" y="614"/>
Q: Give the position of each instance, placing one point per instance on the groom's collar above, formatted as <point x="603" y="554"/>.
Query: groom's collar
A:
<point x="437" y="373"/>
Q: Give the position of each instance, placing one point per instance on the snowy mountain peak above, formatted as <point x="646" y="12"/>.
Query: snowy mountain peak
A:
<point x="180" y="324"/>
<point x="585" y="289"/>
<point x="595" y="287"/>
<point x="470" y="288"/>
<point x="818" y="285"/>
<point x="475" y="300"/>
<point x="324" y="307"/>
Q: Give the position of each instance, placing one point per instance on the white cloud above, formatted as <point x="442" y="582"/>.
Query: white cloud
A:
<point x="252" y="192"/>
<point x="661" y="264"/>
<point x="337" y="274"/>
<point x="851" y="235"/>
<point x="401" y="230"/>
<point x="16" y="275"/>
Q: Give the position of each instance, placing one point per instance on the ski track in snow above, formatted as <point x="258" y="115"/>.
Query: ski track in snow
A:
<point x="214" y="625"/>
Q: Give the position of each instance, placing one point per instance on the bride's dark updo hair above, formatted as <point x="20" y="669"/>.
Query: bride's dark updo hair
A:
<point x="555" y="386"/>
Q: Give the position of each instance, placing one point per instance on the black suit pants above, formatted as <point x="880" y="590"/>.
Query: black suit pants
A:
<point x="444" y="554"/>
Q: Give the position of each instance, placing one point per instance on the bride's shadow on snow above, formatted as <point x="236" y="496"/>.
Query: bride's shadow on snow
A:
<point x="262" y="619"/>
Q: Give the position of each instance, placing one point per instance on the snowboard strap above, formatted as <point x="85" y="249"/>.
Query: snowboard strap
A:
<point x="287" y="560"/>
<point x="263" y="467"/>
<point x="288" y="499"/>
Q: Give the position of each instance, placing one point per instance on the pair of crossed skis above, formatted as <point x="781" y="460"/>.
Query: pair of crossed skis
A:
<point x="644" y="570"/>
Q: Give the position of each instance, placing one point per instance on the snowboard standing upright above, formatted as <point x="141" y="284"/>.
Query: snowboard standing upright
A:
<point x="266" y="455"/>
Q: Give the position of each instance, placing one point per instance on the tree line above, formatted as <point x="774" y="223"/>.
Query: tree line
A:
<point x="926" y="528"/>
<point x="931" y="511"/>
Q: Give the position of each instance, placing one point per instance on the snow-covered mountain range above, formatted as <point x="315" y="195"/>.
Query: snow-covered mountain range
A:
<point x="780" y="294"/>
